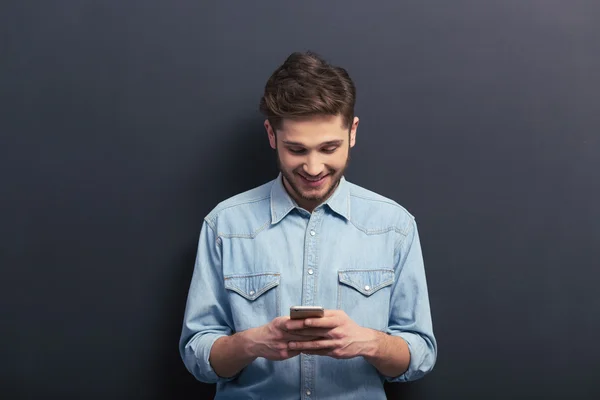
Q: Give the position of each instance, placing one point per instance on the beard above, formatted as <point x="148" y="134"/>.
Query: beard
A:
<point x="293" y="176"/>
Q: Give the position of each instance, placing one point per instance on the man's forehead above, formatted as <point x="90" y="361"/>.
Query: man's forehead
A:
<point x="314" y="129"/>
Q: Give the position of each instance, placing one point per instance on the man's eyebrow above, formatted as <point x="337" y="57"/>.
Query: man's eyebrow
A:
<point x="328" y="143"/>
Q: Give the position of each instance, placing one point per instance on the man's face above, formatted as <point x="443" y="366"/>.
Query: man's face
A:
<point x="312" y="154"/>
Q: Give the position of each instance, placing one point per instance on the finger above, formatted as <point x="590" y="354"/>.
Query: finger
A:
<point x="313" y="345"/>
<point x="299" y="338"/>
<point x="293" y="324"/>
<point x="324" y="322"/>
<point x="334" y="313"/>
<point x="281" y="321"/>
<point x="315" y="332"/>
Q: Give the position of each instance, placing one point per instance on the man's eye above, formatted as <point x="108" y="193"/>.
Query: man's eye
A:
<point x="330" y="149"/>
<point x="296" y="151"/>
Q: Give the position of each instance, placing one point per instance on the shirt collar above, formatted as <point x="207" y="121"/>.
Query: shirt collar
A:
<point x="339" y="201"/>
<point x="282" y="203"/>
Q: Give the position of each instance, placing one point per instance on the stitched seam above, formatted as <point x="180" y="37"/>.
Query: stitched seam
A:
<point x="348" y="202"/>
<point x="252" y="275"/>
<point x="235" y="289"/>
<point x="264" y="289"/>
<point x="317" y="262"/>
<point x="275" y="217"/>
<point x="359" y="286"/>
<point x="278" y="299"/>
<point x="366" y="270"/>
<point x="376" y="231"/>
<point x="361" y="290"/>
<point x="257" y="294"/>
<point x="218" y="239"/>
<point x="339" y="297"/>
<point x="211" y="224"/>
<point x="408" y="227"/>
<point x="219" y="210"/>
<point x="403" y="238"/>
<point x="246" y="235"/>
<point x="377" y="200"/>
<point x="273" y="212"/>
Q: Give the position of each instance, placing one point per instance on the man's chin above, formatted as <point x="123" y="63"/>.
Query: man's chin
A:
<point x="312" y="198"/>
<point x="317" y="195"/>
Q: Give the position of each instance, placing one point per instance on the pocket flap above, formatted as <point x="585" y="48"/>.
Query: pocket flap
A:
<point x="366" y="281"/>
<point x="253" y="285"/>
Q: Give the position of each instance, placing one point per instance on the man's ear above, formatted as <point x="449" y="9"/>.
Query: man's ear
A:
<point x="353" y="130"/>
<point x="271" y="134"/>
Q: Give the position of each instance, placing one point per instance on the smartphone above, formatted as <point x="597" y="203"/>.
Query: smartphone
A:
<point x="301" y="312"/>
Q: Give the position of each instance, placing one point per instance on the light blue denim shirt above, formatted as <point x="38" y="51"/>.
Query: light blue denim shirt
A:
<point x="259" y="253"/>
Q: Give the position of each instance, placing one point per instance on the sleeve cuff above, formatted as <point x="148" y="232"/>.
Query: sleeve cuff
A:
<point x="202" y="353"/>
<point x="419" y="364"/>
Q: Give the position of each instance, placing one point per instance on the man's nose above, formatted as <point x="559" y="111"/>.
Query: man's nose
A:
<point x="313" y="166"/>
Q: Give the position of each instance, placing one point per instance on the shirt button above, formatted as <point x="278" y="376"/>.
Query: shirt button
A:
<point x="313" y="233"/>
<point x="310" y="271"/>
<point x="367" y="288"/>
<point x="308" y="392"/>
<point x="252" y="293"/>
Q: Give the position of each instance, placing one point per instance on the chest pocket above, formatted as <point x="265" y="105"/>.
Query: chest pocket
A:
<point x="253" y="298"/>
<point x="364" y="294"/>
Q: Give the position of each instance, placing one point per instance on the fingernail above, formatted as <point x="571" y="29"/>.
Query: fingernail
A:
<point x="308" y="322"/>
<point x="292" y="345"/>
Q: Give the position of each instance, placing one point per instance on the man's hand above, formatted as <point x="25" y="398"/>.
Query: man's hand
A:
<point x="334" y="335"/>
<point x="270" y="341"/>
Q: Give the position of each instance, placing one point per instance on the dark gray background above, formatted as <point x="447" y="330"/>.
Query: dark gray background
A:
<point x="124" y="122"/>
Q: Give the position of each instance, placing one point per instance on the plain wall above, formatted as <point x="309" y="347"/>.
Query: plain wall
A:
<point x="123" y="123"/>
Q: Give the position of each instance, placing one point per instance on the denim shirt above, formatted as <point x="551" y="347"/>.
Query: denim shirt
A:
<point x="259" y="253"/>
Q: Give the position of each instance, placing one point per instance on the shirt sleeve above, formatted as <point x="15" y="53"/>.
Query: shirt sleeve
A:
<point x="410" y="315"/>
<point x="207" y="316"/>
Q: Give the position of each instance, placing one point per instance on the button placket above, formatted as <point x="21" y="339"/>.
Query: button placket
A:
<point x="311" y="259"/>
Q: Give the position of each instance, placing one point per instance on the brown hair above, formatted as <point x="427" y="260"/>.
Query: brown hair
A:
<point x="306" y="85"/>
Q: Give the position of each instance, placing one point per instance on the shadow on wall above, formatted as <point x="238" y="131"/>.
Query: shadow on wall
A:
<point x="239" y="164"/>
<point x="406" y="390"/>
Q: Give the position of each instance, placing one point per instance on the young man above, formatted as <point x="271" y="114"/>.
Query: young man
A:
<point x="309" y="237"/>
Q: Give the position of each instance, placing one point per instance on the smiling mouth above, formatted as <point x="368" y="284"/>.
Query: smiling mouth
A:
<point x="313" y="181"/>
